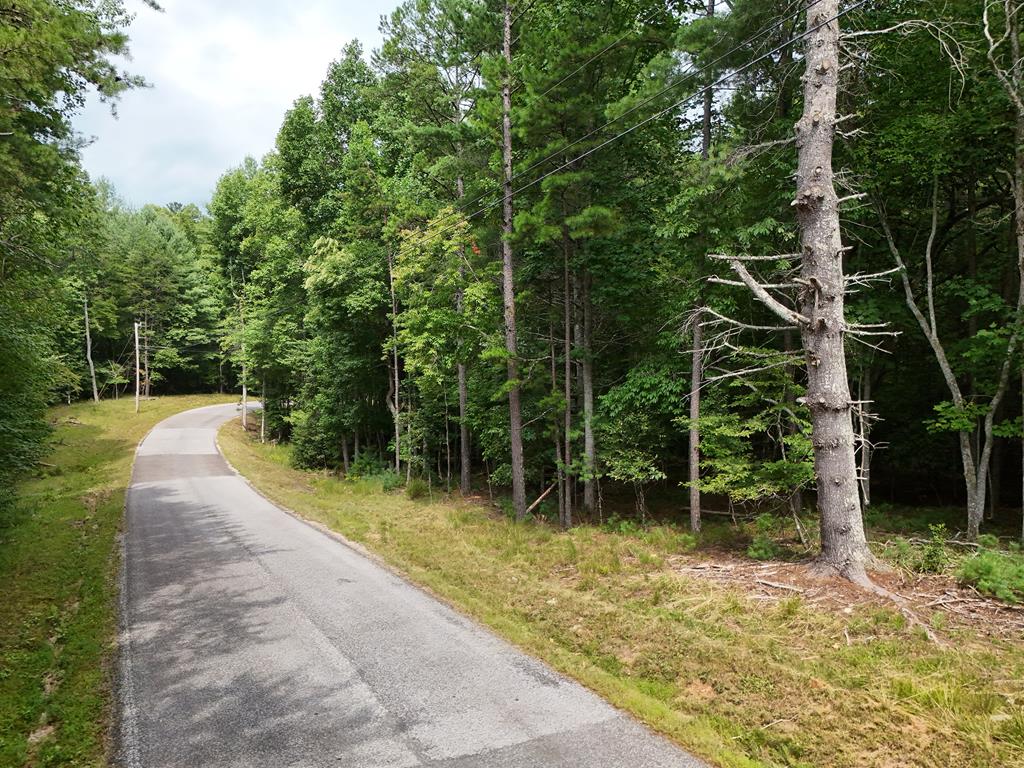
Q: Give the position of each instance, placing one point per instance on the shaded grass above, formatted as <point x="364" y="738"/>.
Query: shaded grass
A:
<point x="58" y="559"/>
<point x="738" y="681"/>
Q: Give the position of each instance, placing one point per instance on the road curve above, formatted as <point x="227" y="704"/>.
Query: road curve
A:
<point x="249" y="638"/>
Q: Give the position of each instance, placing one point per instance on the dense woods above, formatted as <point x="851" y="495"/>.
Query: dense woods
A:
<point x="570" y="255"/>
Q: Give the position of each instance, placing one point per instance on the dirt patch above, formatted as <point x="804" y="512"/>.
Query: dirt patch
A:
<point x="937" y="600"/>
<point x="41" y="734"/>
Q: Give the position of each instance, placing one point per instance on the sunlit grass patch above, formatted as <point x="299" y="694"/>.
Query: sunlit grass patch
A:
<point x="58" y="558"/>
<point x="741" y="681"/>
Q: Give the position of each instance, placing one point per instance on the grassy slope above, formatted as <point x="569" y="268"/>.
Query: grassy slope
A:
<point x="58" y="560"/>
<point x="739" y="682"/>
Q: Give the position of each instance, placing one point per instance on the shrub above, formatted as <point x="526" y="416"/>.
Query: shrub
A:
<point x="934" y="556"/>
<point x="389" y="480"/>
<point x="995" y="573"/>
<point x="416" y="488"/>
<point x="763" y="547"/>
<point x="368" y="464"/>
<point x="622" y="525"/>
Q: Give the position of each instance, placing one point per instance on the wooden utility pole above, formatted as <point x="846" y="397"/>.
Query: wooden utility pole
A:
<point x="245" y="372"/>
<point x="88" y="353"/>
<point x="508" y="283"/>
<point x="137" y="369"/>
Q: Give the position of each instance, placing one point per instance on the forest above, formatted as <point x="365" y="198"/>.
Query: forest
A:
<point x="671" y="347"/>
<point x="562" y="254"/>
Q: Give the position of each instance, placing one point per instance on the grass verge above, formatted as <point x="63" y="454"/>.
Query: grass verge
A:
<point x="58" y="561"/>
<point x="738" y="681"/>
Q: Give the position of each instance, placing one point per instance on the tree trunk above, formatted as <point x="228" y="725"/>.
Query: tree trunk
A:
<point x="566" y="518"/>
<point x="465" y="458"/>
<point x="508" y="283"/>
<point x="395" y="404"/>
<point x="587" y="365"/>
<point x="705" y="145"/>
<point x="843" y="544"/>
<point x="263" y="411"/>
<point x="556" y="429"/>
<point x="344" y="453"/>
<point x="697" y="365"/>
<point x="137" y="369"/>
<point x="88" y="354"/>
<point x="145" y="358"/>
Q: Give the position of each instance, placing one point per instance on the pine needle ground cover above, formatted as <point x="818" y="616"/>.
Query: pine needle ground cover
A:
<point x="58" y="585"/>
<point x="740" y="681"/>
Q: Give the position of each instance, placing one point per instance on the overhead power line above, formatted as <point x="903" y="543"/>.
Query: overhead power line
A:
<point x="656" y="115"/>
<point x="690" y="74"/>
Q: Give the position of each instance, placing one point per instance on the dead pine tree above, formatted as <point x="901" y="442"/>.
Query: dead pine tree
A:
<point x="820" y="317"/>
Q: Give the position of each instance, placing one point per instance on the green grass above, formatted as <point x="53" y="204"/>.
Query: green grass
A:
<point x="740" y="682"/>
<point x="58" y="561"/>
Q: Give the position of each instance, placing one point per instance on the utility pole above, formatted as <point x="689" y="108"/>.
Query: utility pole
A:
<point x="88" y="353"/>
<point x="137" y="369"/>
<point x="263" y="413"/>
<point x="508" y="283"/>
<point x="245" y="390"/>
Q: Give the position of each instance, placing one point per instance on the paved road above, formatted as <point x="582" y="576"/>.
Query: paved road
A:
<point x="252" y="639"/>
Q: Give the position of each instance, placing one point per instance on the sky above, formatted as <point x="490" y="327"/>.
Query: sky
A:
<point x="223" y="73"/>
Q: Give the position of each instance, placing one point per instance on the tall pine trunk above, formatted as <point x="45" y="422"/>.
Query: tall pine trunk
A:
<point x="507" y="279"/>
<point x="395" y="402"/>
<point x="843" y="544"/>
<point x="465" y="459"/>
<point x="567" y="329"/>
<point x="587" y="366"/>
<point x="697" y="366"/>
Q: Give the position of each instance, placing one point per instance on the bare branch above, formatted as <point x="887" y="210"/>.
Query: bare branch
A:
<point x="773" y="257"/>
<point x="745" y="326"/>
<point x="785" y="313"/>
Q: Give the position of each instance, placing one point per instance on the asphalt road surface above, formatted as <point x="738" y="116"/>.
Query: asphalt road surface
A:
<point x="249" y="638"/>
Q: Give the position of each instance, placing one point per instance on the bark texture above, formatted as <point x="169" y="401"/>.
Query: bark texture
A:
<point x="587" y="366"/>
<point x="507" y="279"/>
<point x="465" y="458"/>
<point x="697" y="365"/>
<point x="843" y="544"/>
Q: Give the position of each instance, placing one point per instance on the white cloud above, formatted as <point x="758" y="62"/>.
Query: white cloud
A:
<point x="223" y="73"/>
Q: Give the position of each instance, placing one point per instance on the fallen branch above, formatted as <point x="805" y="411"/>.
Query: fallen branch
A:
<point x="540" y="498"/>
<point x="776" y="585"/>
